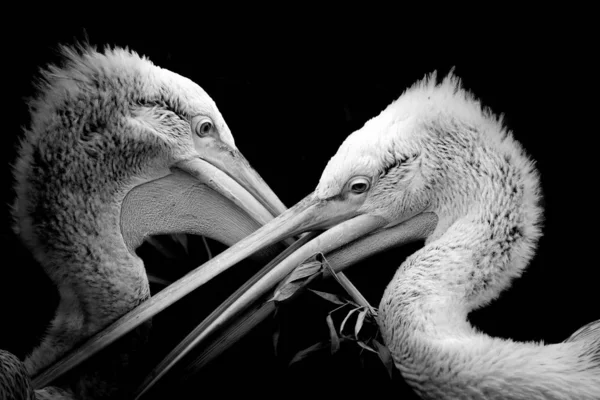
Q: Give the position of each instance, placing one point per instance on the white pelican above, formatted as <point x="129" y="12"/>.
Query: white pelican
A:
<point x="119" y="149"/>
<point x="436" y="158"/>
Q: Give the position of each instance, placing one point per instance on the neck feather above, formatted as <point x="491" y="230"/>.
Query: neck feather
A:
<point x="76" y="238"/>
<point x="423" y="316"/>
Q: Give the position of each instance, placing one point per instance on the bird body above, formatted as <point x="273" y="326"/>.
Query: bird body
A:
<point x="437" y="151"/>
<point x="106" y="125"/>
<point x="459" y="162"/>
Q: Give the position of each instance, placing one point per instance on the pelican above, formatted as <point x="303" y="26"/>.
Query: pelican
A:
<point x="437" y="163"/>
<point x="118" y="149"/>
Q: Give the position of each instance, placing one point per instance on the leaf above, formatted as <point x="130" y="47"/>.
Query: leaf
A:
<point x="335" y="340"/>
<point x="385" y="356"/>
<point x="345" y="283"/>
<point x="364" y="346"/>
<point x="329" y="297"/>
<point x="302" y="354"/>
<point x="346" y="318"/>
<point x="301" y="276"/>
<point x="304" y="270"/>
<point x="359" y="321"/>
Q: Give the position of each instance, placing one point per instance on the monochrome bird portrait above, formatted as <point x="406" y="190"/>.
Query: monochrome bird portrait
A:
<point x="115" y="151"/>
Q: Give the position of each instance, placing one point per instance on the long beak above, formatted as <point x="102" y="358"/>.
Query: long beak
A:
<point x="171" y="204"/>
<point x="223" y="184"/>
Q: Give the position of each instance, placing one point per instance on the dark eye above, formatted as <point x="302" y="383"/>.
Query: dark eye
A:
<point x="204" y="128"/>
<point x="359" y="185"/>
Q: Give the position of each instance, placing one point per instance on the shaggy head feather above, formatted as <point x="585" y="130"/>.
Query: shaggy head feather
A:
<point x="436" y="149"/>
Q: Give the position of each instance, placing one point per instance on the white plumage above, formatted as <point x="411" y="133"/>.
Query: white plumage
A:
<point x="436" y="164"/>
<point x="119" y="149"/>
<point x="437" y="150"/>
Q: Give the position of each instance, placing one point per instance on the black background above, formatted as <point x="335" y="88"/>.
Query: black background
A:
<point x="290" y="96"/>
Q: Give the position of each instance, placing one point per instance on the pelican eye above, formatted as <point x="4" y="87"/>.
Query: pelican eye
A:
<point x="359" y="185"/>
<point x="203" y="127"/>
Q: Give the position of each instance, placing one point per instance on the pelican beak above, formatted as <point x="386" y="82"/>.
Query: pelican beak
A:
<point x="344" y="223"/>
<point x="350" y="237"/>
<point x="308" y="215"/>
<point x="216" y="194"/>
<point x="345" y="226"/>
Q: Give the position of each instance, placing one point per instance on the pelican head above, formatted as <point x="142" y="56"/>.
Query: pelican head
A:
<point x="119" y="149"/>
<point x="107" y="122"/>
<point x="433" y="150"/>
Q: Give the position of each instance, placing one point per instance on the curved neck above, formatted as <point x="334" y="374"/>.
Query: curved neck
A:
<point x="423" y="316"/>
<point x="77" y="240"/>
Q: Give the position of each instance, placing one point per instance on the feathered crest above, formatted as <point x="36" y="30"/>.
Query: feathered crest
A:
<point x="431" y="96"/>
<point x="80" y="64"/>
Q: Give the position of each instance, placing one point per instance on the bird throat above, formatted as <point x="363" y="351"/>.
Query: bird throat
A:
<point x="178" y="203"/>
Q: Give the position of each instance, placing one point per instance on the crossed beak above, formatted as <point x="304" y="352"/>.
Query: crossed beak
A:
<point x="348" y="235"/>
<point x="348" y="238"/>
